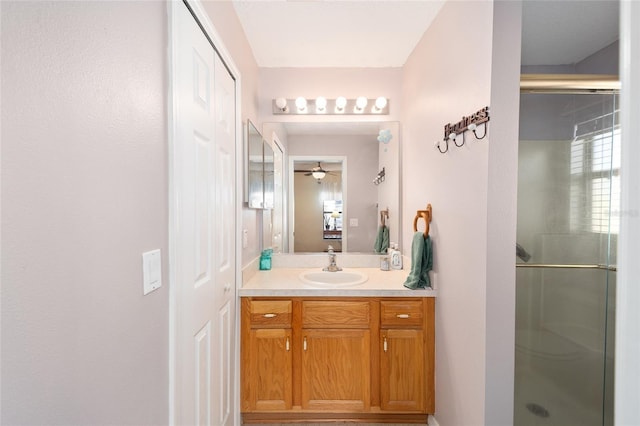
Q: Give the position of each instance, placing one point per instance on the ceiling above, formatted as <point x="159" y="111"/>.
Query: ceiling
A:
<point x="383" y="33"/>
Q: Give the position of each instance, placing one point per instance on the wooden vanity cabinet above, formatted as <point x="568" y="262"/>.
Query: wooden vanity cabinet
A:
<point x="406" y="357"/>
<point x="266" y="356"/>
<point x="337" y="359"/>
<point x="335" y="369"/>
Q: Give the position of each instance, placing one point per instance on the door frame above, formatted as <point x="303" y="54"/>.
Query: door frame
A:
<point x="173" y="35"/>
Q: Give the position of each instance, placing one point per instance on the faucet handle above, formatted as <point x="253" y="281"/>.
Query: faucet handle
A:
<point x="330" y="249"/>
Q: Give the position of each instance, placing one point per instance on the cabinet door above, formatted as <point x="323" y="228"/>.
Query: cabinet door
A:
<point x="402" y="365"/>
<point x="336" y="370"/>
<point x="270" y="378"/>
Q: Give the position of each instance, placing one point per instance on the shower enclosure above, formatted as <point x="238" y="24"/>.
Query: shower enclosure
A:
<point x="568" y="211"/>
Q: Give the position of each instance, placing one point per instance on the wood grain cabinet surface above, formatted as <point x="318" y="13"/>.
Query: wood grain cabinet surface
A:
<point x="342" y="359"/>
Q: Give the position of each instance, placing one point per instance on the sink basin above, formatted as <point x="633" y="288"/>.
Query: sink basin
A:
<point x="324" y="279"/>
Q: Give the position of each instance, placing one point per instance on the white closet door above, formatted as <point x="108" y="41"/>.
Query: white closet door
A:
<point x="224" y="240"/>
<point x="203" y="175"/>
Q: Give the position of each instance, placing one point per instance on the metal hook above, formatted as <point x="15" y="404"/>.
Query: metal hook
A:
<point x="473" y="128"/>
<point x="437" y="145"/>
<point x="455" y="138"/>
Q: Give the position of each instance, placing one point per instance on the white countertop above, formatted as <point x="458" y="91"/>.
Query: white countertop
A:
<point x="286" y="282"/>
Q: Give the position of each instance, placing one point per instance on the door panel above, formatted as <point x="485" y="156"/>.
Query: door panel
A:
<point x="203" y="185"/>
<point x="271" y="369"/>
<point x="224" y="223"/>
<point x="402" y="378"/>
<point x="336" y="370"/>
<point x="202" y="365"/>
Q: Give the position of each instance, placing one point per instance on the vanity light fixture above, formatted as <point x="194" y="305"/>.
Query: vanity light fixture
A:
<point x="281" y="103"/>
<point x="321" y="104"/>
<point x="301" y="104"/>
<point x="337" y="106"/>
<point x="379" y="105"/>
<point x="361" y="104"/>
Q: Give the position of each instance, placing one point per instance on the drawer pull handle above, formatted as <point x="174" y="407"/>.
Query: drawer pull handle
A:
<point x="304" y="344"/>
<point x="269" y="315"/>
<point x="384" y="344"/>
<point x="403" y="316"/>
<point x="287" y="344"/>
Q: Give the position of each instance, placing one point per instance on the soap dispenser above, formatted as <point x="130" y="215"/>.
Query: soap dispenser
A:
<point x="265" y="260"/>
<point x="396" y="257"/>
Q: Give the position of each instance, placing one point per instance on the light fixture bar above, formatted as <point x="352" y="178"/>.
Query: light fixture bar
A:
<point x="331" y="106"/>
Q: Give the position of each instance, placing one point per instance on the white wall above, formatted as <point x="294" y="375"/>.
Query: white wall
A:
<point x="627" y="380"/>
<point x="84" y="193"/>
<point x="502" y="212"/>
<point x="438" y="91"/>
<point x="470" y="234"/>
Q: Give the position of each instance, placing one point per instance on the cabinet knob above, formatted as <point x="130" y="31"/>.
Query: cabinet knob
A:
<point x="403" y="316"/>
<point x="286" y="345"/>
<point x="304" y="344"/>
<point x="384" y="344"/>
<point x="269" y="315"/>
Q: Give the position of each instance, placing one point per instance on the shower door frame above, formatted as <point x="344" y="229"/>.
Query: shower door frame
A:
<point x="570" y="84"/>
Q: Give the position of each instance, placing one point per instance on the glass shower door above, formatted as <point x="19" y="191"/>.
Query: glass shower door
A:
<point x="568" y="202"/>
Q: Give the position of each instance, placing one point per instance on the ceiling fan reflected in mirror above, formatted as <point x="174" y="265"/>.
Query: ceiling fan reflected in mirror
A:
<point x="317" y="172"/>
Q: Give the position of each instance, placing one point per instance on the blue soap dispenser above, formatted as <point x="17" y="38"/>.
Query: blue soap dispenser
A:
<point x="265" y="260"/>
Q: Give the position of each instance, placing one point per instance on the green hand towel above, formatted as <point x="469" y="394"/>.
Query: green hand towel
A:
<point x="421" y="262"/>
<point x="382" y="240"/>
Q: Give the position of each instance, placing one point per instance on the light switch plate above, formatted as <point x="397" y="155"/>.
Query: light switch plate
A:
<point x="353" y="222"/>
<point x="245" y="238"/>
<point x="151" y="271"/>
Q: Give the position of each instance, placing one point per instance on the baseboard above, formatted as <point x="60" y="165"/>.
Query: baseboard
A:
<point x="432" y="421"/>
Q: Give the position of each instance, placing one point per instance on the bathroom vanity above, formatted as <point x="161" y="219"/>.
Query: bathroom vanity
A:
<point x="362" y="354"/>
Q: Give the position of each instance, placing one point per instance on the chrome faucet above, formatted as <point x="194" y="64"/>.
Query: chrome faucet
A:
<point x="332" y="261"/>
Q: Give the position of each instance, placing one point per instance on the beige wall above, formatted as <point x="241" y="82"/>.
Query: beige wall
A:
<point x="438" y="89"/>
<point x="84" y="193"/>
<point x="309" y="213"/>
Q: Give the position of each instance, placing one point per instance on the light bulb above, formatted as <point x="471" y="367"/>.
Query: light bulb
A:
<point x="301" y="103"/>
<point x="381" y="102"/>
<point x="341" y="102"/>
<point x="361" y="102"/>
<point x="321" y="103"/>
<point x="281" y="103"/>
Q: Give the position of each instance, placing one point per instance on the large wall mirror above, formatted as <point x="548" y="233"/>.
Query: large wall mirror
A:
<point x="337" y="179"/>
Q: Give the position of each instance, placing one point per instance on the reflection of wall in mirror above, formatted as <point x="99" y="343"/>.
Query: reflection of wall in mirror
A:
<point x="361" y="195"/>
<point x="309" y="215"/>
<point x="273" y="221"/>
<point x="389" y="191"/>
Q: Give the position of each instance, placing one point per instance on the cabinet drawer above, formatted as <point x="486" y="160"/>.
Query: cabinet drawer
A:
<point x="336" y="314"/>
<point x="401" y="313"/>
<point x="270" y="312"/>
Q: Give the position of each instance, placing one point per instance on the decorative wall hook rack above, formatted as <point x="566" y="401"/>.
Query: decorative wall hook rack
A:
<point x="426" y="215"/>
<point x="379" y="177"/>
<point x="453" y="131"/>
